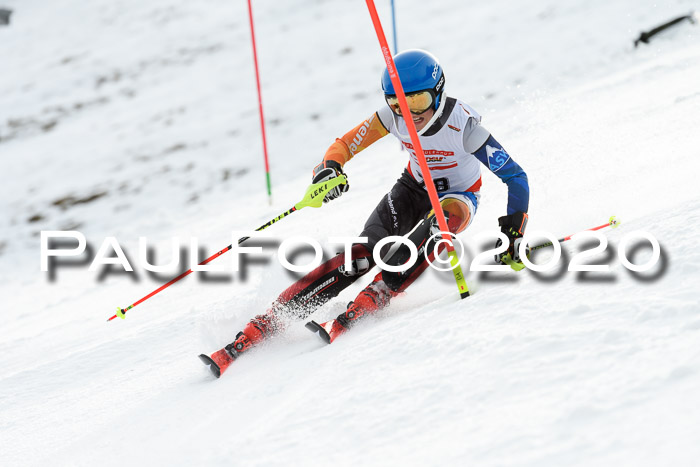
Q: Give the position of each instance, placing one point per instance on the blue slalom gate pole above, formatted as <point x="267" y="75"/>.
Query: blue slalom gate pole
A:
<point x="393" y="25"/>
<point x="396" y="43"/>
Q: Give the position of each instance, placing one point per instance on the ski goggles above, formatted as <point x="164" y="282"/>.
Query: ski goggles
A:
<point x="418" y="102"/>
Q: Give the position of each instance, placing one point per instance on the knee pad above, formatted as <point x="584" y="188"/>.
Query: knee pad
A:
<point x="457" y="214"/>
<point x="423" y="236"/>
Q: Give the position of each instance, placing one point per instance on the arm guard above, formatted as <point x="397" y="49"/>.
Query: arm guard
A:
<point x="493" y="156"/>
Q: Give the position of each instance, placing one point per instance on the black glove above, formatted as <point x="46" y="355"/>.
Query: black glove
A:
<point x="514" y="228"/>
<point x="326" y="171"/>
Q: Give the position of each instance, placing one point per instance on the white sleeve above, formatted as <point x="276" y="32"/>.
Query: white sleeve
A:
<point x="474" y="135"/>
<point x="386" y="117"/>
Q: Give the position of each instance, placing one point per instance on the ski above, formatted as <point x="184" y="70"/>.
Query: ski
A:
<point x="219" y="361"/>
<point x="313" y="326"/>
<point x="216" y="371"/>
<point x="327" y="331"/>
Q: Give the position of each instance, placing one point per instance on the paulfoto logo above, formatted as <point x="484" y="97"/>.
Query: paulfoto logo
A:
<point x="111" y="254"/>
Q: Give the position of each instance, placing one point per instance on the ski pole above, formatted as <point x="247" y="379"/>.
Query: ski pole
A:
<point x="612" y="222"/>
<point x="313" y="197"/>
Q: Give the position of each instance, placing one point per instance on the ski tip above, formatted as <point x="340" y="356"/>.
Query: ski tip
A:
<point x="313" y="326"/>
<point x="216" y="371"/>
<point x="464" y="295"/>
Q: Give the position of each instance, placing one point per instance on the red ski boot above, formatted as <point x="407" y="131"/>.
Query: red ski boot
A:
<point x="222" y="359"/>
<point x="254" y="332"/>
<point x="374" y="297"/>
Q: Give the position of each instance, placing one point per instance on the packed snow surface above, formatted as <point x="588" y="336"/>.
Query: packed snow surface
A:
<point x="127" y="118"/>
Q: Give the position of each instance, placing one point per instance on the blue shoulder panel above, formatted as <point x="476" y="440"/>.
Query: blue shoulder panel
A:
<point x="493" y="156"/>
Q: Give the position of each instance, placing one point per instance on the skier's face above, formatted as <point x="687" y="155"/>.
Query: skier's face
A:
<point x="421" y="120"/>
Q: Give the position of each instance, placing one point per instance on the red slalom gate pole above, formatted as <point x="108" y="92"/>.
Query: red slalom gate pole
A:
<point x="425" y="170"/>
<point x="260" y="106"/>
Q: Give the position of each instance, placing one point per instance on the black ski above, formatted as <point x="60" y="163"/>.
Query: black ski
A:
<point x="313" y="326"/>
<point x="211" y="364"/>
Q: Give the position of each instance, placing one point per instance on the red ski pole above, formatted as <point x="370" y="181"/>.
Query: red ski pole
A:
<point x="313" y="197"/>
<point x="612" y="222"/>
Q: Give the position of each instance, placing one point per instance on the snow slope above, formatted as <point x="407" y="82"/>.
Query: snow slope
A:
<point x="131" y="119"/>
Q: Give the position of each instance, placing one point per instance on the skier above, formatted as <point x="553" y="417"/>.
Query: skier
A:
<point x="454" y="144"/>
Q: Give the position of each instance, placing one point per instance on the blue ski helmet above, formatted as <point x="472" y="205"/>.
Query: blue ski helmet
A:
<point x="419" y="71"/>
